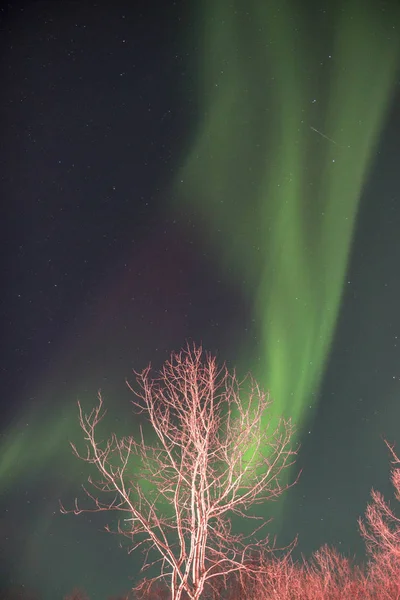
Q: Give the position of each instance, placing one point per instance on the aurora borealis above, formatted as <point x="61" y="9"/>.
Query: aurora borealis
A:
<point x="223" y="172"/>
<point x="276" y="197"/>
<point x="287" y="193"/>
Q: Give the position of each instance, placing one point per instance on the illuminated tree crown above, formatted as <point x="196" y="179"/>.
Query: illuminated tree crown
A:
<point x="215" y="456"/>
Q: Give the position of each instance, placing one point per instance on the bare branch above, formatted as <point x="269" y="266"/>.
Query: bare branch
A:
<point x="381" y="531"/>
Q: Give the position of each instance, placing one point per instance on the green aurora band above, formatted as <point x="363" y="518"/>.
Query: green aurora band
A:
<point x="277" y="167"/>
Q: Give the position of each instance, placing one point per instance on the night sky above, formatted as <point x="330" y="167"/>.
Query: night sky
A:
<point x="215" y="171"/>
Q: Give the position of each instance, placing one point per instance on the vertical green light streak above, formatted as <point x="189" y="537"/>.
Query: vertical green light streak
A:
<point x="276" y="199"/>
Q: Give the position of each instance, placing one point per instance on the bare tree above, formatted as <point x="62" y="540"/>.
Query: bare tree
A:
<point x="381" y="532"/>
<point x="218" y="451"/>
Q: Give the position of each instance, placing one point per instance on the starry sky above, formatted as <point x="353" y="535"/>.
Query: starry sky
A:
<point x="223" y="172"/>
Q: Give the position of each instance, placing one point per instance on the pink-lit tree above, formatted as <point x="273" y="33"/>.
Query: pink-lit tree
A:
<point x="381" y="532"/>
<point x="217" y="452"/>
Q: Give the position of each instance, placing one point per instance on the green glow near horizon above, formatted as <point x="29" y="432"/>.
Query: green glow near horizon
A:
<point x="276" y="199"/>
